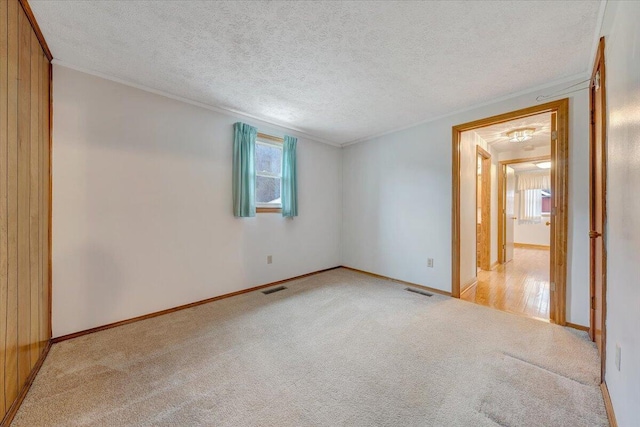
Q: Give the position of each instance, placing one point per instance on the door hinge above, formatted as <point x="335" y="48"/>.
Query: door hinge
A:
<point x="593" y="121"/>
<point x="552" y="286"/>
<point x="554" y="135"/>
<point x="593" y="303"/>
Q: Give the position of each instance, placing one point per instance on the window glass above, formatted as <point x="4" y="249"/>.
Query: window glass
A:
<point x="267" y="190"/>
<point x="268" y="174"/>
<point x="268" y="159"/>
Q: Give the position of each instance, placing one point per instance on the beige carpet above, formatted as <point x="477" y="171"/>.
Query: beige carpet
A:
<point x="335" y="349"/>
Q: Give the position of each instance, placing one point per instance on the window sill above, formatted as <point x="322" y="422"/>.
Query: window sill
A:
<point x="268" y="210"/>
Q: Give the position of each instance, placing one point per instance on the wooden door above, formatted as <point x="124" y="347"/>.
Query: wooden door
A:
<point x="510" y="213"/>
<point x="597" y="200"/>
<point x="555" y="202"/>
<point x="483" y="208"/>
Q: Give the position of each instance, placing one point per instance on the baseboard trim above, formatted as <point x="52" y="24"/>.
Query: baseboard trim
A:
<point x="378" y="276"/>
<point x="180" y="307"/>
<point x="494" y="265"/>
<point x="529" y="246"/>
<point x="576" y="326"/>
<point x="13" y="409"/>
<point x="608" y="405"/>
<point x="466" y="286"/>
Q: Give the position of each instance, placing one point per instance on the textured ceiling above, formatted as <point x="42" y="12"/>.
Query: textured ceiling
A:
<point x="339" y="71"/>
<point x="496" y="135"/>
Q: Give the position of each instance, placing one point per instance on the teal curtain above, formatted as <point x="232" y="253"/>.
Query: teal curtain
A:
<point x="244" y="170"/>
<point x="289" y="177"/>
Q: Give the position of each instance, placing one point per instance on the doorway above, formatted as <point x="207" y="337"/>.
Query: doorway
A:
<point x="531" y="196"/>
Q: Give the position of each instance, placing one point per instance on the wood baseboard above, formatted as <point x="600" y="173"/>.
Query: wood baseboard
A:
<point x="426" y="288"/>
<point x="494" y="265"/>
<point x="13" y="409"/>
<point x="608" y="405"/>
<point x="180" y="307"/>
<point x="468" y="285"/>
<point x="528" y="246"/>
<point x="576" y="326"/>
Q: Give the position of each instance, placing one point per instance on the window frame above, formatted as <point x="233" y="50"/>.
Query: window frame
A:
<point x="274" y="141"/>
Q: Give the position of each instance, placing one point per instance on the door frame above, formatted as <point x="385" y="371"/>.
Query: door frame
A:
<point x="502" y="191"/>
<point x="485" y="207"/>
<point x="559" y="213"/>
<point x="599" y="63"/>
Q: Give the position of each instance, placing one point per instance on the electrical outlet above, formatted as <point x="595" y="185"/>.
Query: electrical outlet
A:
<point x="618" y="356"/>
<point x="269" y="259"/>
<point x="430" y="262"/>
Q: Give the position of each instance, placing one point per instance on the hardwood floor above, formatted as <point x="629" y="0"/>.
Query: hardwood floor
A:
<point x="520" y="286"/>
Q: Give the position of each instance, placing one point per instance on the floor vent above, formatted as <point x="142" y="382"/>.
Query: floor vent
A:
<point x="418" y="291"/>
<point x="272" y="290"/>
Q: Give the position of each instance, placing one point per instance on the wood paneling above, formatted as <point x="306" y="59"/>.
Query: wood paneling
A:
<point x="11" y="343"/>
<point x="45" y="195"/>
<point x="24" y="182"/>
<point x="24" y="203"/>
<point x="3" y="197"/>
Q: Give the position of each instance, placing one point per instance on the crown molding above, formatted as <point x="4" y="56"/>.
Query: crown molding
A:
<point x="579" y="76"/>
<point x="226" y="111"/>
<point x="596" y="35"/>
<point x="303" y="134"/>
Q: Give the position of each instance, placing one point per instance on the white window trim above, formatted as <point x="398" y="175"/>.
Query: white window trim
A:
<point x="270" y="175"/>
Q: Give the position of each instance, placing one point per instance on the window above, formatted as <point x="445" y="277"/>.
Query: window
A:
<point x="546" y="202"/>
<point x="268" y="173"/>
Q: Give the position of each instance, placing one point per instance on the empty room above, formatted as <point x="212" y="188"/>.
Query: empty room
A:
<point x="319" y="213"/>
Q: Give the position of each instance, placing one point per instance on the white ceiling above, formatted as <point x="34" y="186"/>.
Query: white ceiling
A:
<point x="525" y="167"/>
<point x="496" y="135"/>
<point x="338" y="71"/>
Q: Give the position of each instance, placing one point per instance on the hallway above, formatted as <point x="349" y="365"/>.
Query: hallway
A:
<point x="520" y="286"/>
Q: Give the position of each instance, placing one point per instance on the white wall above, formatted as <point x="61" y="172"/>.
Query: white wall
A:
<point x="142" y="213"/>
<point x="397" y="201"/>
<point x="468" y="206"/>
<point x="531" y="234"/>
<point x="622" y="237"/>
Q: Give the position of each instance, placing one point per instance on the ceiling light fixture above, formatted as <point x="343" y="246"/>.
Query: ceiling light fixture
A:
<point x="520" y="135"/>
<point x="544" y="165"/>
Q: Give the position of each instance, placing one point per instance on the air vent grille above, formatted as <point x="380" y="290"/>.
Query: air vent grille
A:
<point x="418" y="291"/>
<point x="272" y="290"/>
